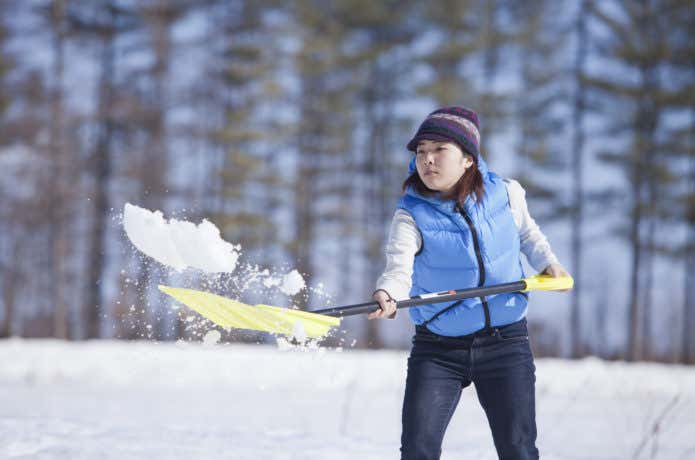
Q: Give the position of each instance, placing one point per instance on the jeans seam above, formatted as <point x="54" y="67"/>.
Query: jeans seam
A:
<point x="448" y="420"/>
<point x="472" y="361"/>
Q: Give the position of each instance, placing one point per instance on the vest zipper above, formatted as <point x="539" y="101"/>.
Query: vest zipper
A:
<point x="481" y="266"/>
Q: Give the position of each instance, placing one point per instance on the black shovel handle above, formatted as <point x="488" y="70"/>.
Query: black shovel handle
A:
<point x="439" y="297"/>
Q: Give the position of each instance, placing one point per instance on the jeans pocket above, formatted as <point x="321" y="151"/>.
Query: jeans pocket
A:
<point x="509" y="338"/>
<point x="515" y="332"/>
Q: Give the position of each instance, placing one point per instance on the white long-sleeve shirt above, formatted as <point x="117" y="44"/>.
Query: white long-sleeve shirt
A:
<point x="404" y="242"/>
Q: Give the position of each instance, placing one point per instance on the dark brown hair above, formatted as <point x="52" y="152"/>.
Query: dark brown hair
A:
<point x="470" y="183"/>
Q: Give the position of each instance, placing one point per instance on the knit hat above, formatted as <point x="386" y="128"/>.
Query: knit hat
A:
<point x="457" y="124"/>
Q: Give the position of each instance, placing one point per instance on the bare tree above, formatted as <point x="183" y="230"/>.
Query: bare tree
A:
<point x="103" y="21"/>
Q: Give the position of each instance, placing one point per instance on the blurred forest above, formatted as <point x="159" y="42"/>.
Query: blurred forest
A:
<point x="285" y="124"/>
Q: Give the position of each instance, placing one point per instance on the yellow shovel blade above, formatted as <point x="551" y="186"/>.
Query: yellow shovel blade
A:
<point x="548" y="283"/>
<point x="231" y="313"/>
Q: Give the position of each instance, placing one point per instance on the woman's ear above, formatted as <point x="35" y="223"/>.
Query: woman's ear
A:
<point x="467" y="161"/>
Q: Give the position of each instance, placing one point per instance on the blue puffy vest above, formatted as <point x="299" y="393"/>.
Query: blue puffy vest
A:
<point x="448" y="259"/>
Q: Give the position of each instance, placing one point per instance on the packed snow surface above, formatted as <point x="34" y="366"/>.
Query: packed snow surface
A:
<point x="141" y="400"/>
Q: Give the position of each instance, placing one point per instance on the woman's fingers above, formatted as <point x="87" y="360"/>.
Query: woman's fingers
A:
<point x="556" y="271"/>
<point x="375" y="314"/>
<point x="387" y="306"/>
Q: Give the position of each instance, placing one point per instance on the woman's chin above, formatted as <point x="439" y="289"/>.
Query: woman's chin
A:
<point x="435" y="187"/>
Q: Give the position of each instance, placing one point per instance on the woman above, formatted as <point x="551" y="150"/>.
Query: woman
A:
<point x="456" y="226"/>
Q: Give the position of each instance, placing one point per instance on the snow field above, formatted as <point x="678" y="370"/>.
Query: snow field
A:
<point x="109" y="399"/>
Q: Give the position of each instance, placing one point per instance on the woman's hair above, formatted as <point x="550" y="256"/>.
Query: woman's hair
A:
<point x="470" y="183"/>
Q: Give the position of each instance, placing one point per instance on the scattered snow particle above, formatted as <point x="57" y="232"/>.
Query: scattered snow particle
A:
<point x="292" y="283"/>
<point x="298" y="332"/>
<point x="272" y="282"/>
<point x="212" y="337"/>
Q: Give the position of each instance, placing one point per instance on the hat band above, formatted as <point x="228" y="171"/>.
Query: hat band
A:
<point x="467" y="144"/>
<point x="466" y="123"/>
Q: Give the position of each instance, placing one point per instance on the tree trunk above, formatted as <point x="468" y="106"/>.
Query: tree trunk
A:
<point x="372" y="222"/>
<point x="650" y="113"/>
<point x="634" y="305"/>
<point x="578" y="182"/>
<point x="57" y="197"/>
<point x="688" y="334"/>
<point x="101" y="173"/>
<point x="160" y="19"/>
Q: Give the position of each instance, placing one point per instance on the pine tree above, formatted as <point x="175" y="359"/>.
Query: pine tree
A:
<point x="378" y="161"/>
<point x="7" y="271"/>
<point x="473" y="38"/>
<point x="324" y="131"/>
<point x="577" y="153"/>
<point x="539" y="157"/>
<point x="23" y="212"/>
<point x="542" y="154"/>
<point x="458" y="36"/>
<point x="641" y="40"/>
<point x="247" y="69"/>
<point x="57" y="172"/>
<point x="103" y="21"/>
<point x="687" y="351"/>
<point x="158" y="20"/>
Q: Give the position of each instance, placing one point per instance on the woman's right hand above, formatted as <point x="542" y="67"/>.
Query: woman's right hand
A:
<point x="386" y="303"/>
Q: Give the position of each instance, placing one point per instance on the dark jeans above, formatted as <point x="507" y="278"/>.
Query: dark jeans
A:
<point x="498" y="362"/>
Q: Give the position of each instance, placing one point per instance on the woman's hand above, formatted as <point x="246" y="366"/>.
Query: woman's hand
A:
<point x="556" y="271"/>
<point x="387" y="304"/>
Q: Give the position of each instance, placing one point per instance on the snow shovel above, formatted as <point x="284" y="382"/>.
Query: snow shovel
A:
<point x="229" y="313"/>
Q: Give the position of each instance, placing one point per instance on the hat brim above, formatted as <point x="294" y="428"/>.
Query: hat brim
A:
<point x="412" y="145"/>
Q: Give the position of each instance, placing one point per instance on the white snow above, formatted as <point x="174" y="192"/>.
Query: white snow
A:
<point x="292" y="283"/>
<point x="298" y="332"/>
<point x="115" y="400"/>
<point x="179" y="244"/>
<point x="212" y="337"/>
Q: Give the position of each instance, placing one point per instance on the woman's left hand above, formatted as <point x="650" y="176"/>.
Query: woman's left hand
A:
<point x="556" y="271"/>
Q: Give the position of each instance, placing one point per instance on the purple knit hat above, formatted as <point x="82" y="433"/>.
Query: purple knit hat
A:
<point x="457" y="124"/>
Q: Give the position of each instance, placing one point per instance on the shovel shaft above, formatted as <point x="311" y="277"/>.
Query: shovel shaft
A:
<point x="426" y="299"/>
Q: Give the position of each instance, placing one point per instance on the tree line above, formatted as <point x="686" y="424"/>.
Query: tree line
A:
<point x="285" y="124"/>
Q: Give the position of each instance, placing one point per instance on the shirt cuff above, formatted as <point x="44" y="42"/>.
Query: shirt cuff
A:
<point x="395" y="289"/>
<point x="541" y="261"/>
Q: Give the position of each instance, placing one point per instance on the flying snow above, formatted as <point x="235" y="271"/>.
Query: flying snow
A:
<point x="179" y="244"/>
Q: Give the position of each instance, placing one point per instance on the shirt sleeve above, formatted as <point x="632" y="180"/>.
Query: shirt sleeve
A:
<point x="534" y="243"/>
<point x="403" y="243"/>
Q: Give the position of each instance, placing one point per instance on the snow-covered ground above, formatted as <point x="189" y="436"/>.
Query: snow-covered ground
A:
<point x="118" y="400"/>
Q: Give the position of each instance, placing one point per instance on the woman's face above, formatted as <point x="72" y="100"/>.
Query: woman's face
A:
<point x="441" y="164"/>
